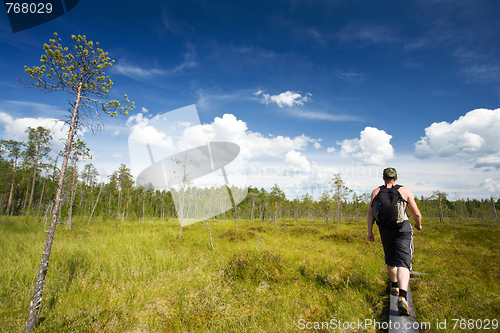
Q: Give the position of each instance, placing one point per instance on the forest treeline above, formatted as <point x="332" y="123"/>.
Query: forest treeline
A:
<point x="29" y="172"/>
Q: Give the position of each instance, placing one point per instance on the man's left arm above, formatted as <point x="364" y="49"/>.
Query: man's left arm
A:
<point x="415" y="212"/>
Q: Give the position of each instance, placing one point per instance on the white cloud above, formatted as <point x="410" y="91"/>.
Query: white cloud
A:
<point x="144" y="110"/>
<point x="297" y="160"/>
<point x="320" y="115"/>
<point x="230" y="129"/>
<point x="490" y="185"/>
<point x="350" y="76"/>
<point x="317" y="145"/>
<point x="373" y="147"/>
<point x="136" y="72"/>
<point x="15" y="128"/>
<point x="116" y="133"/>
<point x="368" y="34"/>
<point x="143" y="134"/>
<point x="288" y="98"/>
<point x="117" y="156"/>
<point x="330" y="150"/>
<point x="225" y="129"/>
<point x="474" y="137"/>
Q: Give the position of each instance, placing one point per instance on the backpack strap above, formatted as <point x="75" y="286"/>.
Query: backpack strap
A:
<point x="375" y="198"/>
<point x="397" y="187"/>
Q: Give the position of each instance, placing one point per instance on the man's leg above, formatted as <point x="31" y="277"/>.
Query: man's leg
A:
<point x="403" y="282"/>
<point x="393" y="276"/>
<point x="403" y="277"/>
<point x="393" y="273"/>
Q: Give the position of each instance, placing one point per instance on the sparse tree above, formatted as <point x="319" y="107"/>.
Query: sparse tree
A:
<point x="13" y="149"/>
<point x="80" y="150"/>
<point x="325" y="203"/>
<point x="185" y="183"/>
<point x="440" y="196"/>
<point x="277" y="197"/>
<point x="38" y="143"/>
<point x="340" y="194"/>
<point x="307" y="203"/>
<point x="79" y="72"/>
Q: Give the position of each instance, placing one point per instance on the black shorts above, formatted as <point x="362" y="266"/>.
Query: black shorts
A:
<point x="398" y="245"/>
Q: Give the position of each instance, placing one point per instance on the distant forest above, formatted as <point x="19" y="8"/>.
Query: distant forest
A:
<point x="29" y="172"/>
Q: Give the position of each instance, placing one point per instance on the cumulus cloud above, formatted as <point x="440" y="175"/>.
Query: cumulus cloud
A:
<point x="330" y="150"/>
<point x="296" y="160"/>
<point x="317" y="145"/>
<point x="474" y="137"/>
<point x="252" y="144"/>
<point x="225" y="129"/>
<point x="143" y="134"/>
<point x="15" y="128"/>
<point x="490" y="185"/>
<point x="373" y="147"/>
<point x="287" y="98"/>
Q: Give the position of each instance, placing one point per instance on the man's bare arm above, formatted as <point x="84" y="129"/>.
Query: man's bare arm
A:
<point x="370" y="218"/>
<point x="412" y="205"/>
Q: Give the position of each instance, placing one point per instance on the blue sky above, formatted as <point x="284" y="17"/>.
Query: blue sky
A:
<point x="306" y="88"/>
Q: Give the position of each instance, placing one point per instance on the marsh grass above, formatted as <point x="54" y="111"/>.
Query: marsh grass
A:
<point x="135" y="277"/>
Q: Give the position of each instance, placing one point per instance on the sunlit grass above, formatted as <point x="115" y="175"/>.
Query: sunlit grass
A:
<point x="135" y="277"/>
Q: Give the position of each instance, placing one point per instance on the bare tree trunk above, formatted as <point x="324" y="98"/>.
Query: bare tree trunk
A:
<point x="208" y="227"/>
<point x="26" y="197"/>
<point x="441" y="217"/>
<point x="100" y="189"/>
<point x="275" y="211"/>
<point x="9" y="203"/>
<point x="494" y="208"/>
<point x="41" y="195"/>
<point x="253" y="207"/>
<point x="34" y="172"/>
<point x="72" y="195"/>
<point x="44" y="263"/>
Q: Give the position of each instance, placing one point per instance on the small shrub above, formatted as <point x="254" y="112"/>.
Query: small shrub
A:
<point x="236" y="236"/>
<point x="303" y="230"/>
<point x="257" y="267"/>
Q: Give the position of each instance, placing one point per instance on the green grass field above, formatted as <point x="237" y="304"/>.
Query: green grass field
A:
<point x="134" y="277"/>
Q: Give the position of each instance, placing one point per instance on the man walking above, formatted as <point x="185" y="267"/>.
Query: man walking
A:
<point x="387" y="208"/>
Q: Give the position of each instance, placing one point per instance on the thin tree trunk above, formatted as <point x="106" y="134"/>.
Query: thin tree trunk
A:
<point x="44" y="263"/>
<point x="41" y="195"/>
<point x="253" y="208"/>
<point x="275" y="211"/>
<point x="210" y="233"/>
<point x="494" y="208"/>
<point x="9" y="202"/>
<point x="72" y="194"/>
<point x="100" y="189"/>
<point x="34" y="172"/>
<point x="26" y="197"/>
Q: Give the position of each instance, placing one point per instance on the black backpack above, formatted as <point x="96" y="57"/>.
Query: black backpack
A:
<point x="388" y="207"/>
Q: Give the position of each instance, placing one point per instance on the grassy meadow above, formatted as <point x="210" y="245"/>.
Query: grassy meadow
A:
<point x="138" y="277"/>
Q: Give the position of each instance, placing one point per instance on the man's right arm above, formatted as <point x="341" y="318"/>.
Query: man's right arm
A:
<point x="370" y="218"/>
